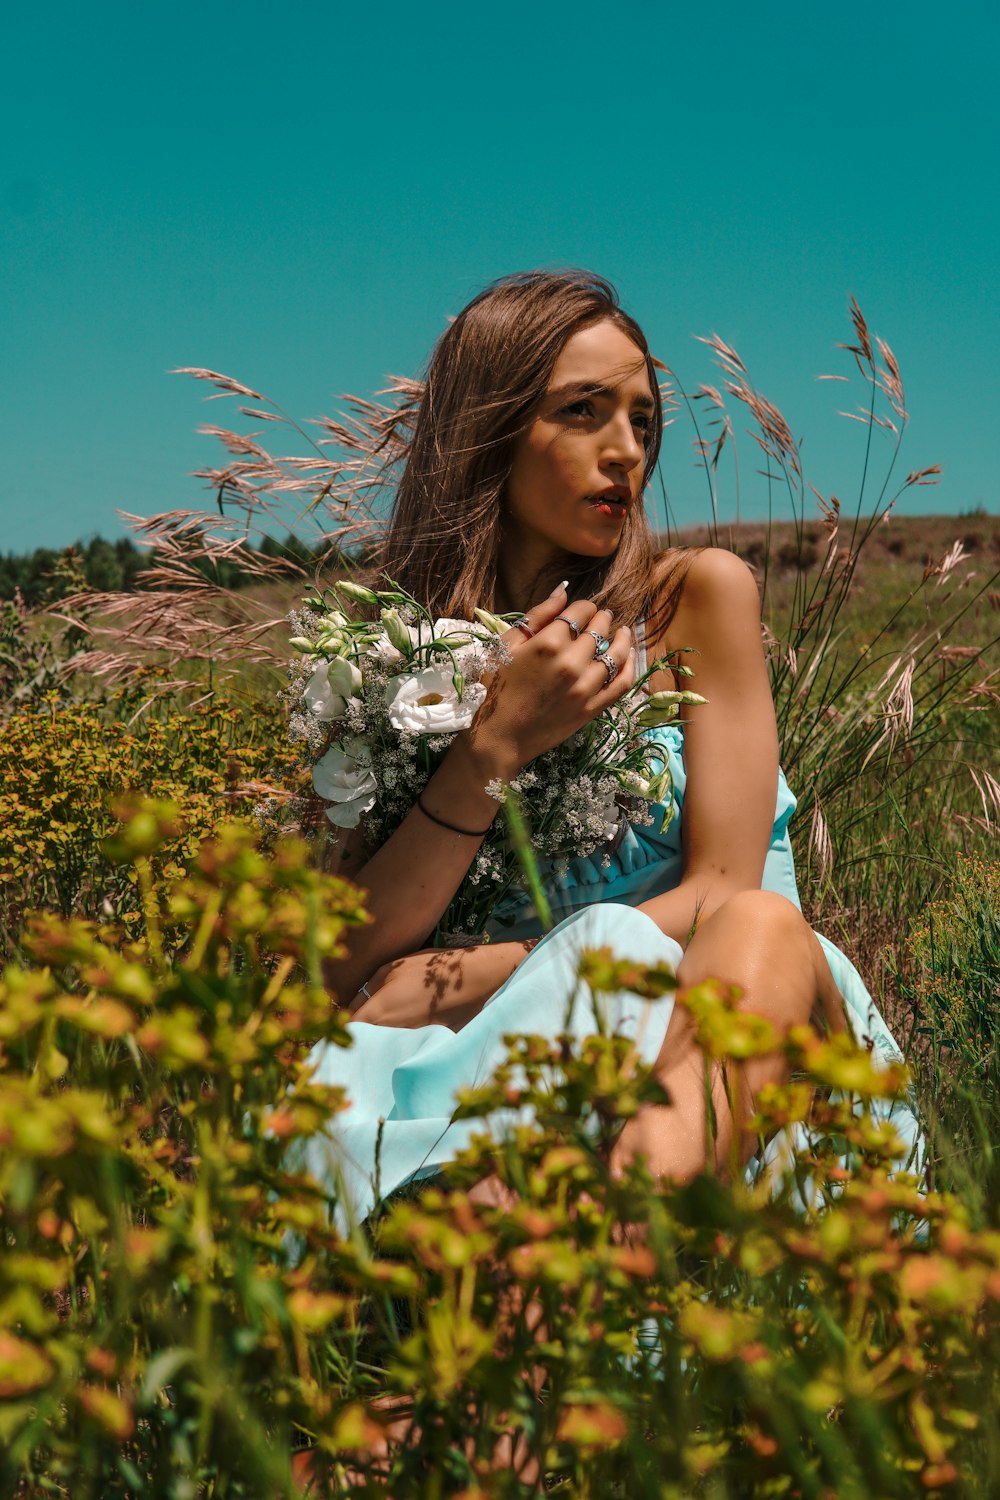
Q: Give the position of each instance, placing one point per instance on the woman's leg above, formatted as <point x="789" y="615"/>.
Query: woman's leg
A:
<point x="762" y="943"/>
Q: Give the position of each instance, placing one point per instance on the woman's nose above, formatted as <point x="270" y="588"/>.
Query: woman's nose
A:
<point x="623" y="446"/>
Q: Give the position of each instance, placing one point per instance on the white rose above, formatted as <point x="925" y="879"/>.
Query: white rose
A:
<point x="344" y="778"/>
<point x="426" y="702"/>
<point x="330" y="686"/>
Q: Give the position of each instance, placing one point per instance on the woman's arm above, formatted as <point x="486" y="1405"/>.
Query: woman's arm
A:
<point x="551" y="688"/>
<point x="443" y="986"/>
<point x="730" y="743"/>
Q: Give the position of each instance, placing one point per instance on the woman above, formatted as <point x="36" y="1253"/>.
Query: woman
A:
<point x="534" y="438"/>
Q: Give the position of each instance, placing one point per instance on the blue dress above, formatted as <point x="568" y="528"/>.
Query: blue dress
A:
<point x="401" y="1082"/>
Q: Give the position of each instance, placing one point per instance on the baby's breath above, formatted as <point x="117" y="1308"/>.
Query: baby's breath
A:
<point x="305" y="729"/>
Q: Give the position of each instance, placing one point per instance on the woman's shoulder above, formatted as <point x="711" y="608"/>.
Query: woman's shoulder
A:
<point x="702" y="569"/>
<point x="701" y="594"/>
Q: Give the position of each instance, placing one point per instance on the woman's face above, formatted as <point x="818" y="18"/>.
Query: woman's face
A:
<point x="578" y="468"/>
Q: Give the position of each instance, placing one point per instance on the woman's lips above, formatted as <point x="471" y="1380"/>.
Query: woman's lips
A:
<point x="607" y="505"/>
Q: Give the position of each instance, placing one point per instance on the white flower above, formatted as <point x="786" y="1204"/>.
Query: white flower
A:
<point x="470" y="644"/>
<point x="458" y="630"/>
<point x="356" y="591"/>
<point x="382" y="649"/>
<point x="330" y="686"/>
<point x="426" y="702"/>
<point x="344" y="778"/>
<point x="333" y="620"/>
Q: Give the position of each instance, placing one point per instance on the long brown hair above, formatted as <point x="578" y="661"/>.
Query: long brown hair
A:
<point x="487" y="375"/>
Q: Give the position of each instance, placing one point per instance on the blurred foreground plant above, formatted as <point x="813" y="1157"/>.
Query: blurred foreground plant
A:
<point x="153" y="1326"/>
<point x="177" y="1311"/>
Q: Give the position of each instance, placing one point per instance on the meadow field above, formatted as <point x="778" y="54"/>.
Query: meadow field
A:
<point x="178" y="1318"/>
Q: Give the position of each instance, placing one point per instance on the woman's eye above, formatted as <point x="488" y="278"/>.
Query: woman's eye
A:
<point x="584" y="409"/>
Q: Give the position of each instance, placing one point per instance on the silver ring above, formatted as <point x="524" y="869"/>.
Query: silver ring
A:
<point x="611" y="667"/>
<point x="573" y="626"/>
<point x="602" y="642"/>
<point x="364" y="990"/>
<point x="522" y="624"/>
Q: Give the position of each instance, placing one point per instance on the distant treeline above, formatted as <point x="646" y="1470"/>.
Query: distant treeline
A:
<point x="46" y="575"/>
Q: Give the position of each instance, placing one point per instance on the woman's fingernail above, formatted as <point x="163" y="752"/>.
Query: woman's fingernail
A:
<point x="559" y="588"/>
<point x="633" y="658"/>
<point x="627" y="631"/>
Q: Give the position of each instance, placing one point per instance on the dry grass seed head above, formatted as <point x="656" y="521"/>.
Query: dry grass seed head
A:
<point x="988" y="788"/>
<point x="225" y="384"/>
<point x="820" y="841"/>
<point x="898" y="710"/>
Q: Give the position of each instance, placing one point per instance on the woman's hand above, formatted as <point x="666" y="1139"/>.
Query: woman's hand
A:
<point x="556" y="683"/>
<point x="444" y="985"/>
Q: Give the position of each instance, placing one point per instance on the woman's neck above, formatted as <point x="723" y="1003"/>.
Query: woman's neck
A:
<point x="524" y="579"/>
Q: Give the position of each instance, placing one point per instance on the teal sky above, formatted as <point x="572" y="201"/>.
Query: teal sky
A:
<point x="299" y="196"/>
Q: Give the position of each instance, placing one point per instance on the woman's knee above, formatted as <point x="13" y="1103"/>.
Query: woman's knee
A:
<point x="762" y="918"/>
<point x="760" y="941"/>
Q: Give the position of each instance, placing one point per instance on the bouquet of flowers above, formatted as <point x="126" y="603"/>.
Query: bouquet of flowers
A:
<point x="383" y="697"/>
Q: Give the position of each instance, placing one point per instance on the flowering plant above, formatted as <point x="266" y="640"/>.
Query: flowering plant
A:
<point x="383" y="697"/>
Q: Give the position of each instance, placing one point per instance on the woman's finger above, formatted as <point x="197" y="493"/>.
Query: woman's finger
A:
<point x="570" y="623"/>
<point x="595" y="638"/>
<point x="537" y="618"/>
<point x="613" y="671"/>
<point x="371" y="985"/>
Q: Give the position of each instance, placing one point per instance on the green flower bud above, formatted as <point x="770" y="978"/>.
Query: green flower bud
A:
<point x="492" y="622"/>
<point x="659" y="786"/>
<point x="649" y="718"/>
<point x="358" y="592"/>
<point x="396" y="630"/>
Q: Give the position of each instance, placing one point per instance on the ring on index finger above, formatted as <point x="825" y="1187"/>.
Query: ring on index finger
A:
<point x="522" y="624"/>
<point x="574" y="628"/>
<point x="601" y="642"/>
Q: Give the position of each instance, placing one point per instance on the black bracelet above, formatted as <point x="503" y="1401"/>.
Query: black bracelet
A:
<point x="470" y="833"/>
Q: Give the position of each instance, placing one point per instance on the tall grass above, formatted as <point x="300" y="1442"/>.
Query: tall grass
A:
<point x="886" y="738"/>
